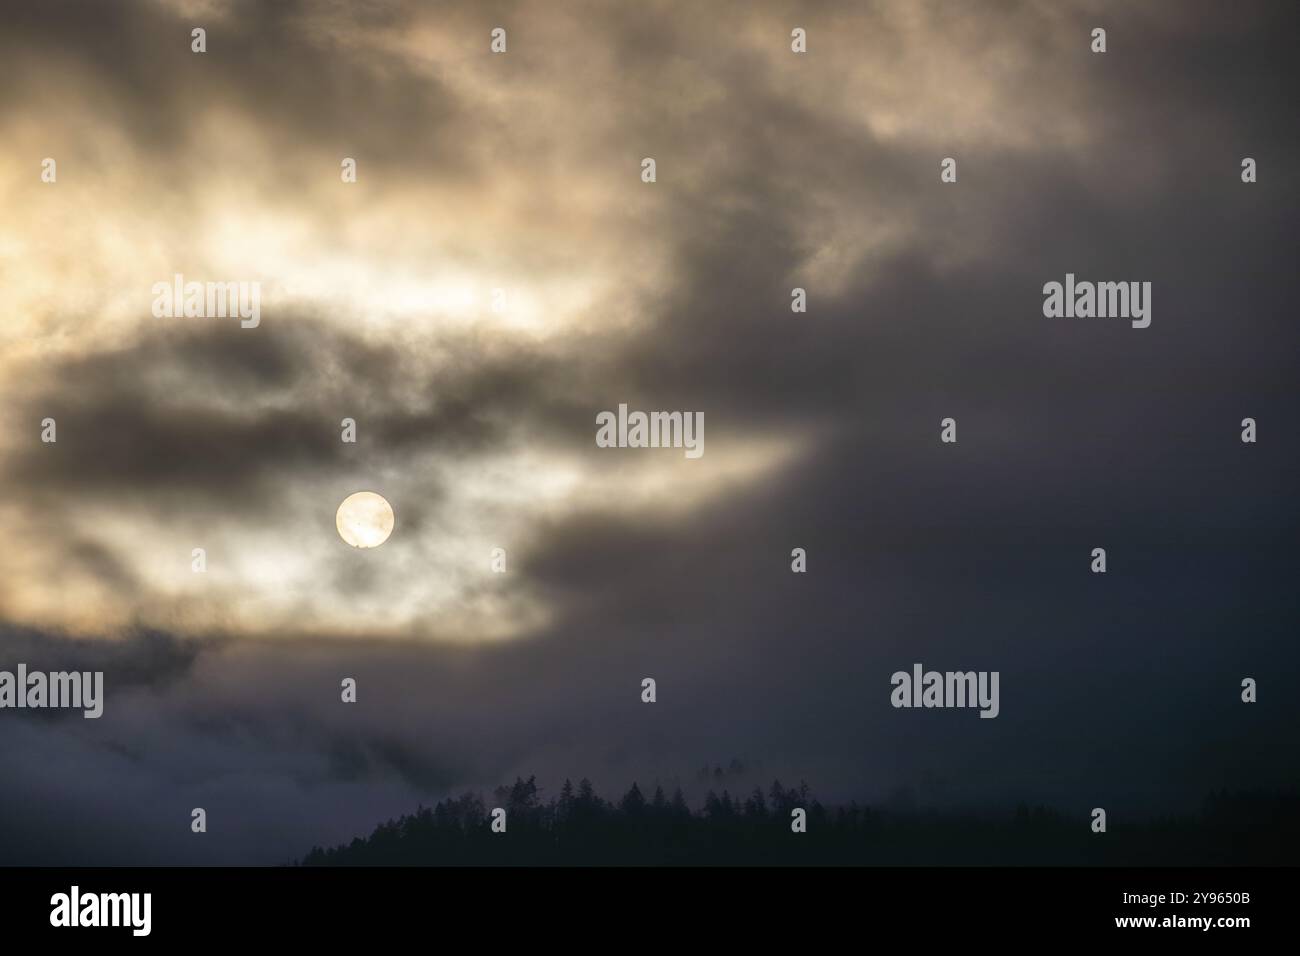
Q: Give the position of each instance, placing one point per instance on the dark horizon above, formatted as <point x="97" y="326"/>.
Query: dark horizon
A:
<point x="651" y="827"/>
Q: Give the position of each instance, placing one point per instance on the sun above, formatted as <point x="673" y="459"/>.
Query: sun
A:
<point x="365" y="519"/>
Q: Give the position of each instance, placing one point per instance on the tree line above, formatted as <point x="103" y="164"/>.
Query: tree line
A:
<point x="579" y="827"/>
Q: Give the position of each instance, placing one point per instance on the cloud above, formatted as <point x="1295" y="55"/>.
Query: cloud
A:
<point x="520" y="173"/>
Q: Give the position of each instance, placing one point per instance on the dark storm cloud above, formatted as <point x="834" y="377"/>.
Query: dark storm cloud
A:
<point x="143" y="658"/>
<point x="210" y="415"/>
<point x="1073" y="434"/>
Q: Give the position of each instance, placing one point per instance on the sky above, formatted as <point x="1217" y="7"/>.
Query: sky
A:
<point x="476" y="410"/>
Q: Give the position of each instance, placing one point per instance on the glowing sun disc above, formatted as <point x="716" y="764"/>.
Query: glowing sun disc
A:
<point x="364" y="520"/>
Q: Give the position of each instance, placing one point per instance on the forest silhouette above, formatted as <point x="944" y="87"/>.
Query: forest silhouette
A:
<point x="578" y="827"/>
